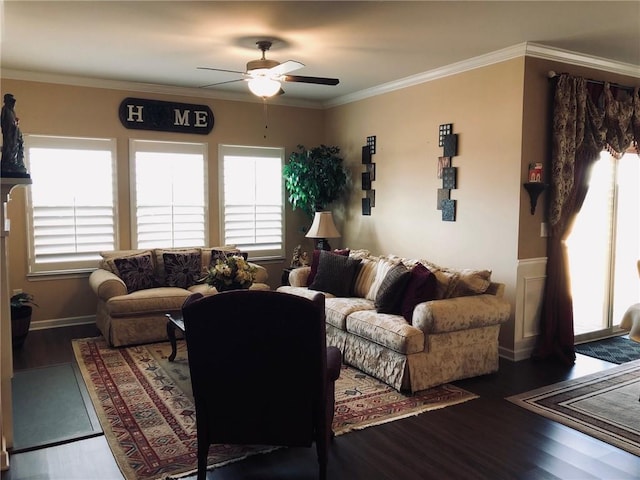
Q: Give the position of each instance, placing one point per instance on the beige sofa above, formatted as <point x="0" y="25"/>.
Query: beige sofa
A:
<point x="452" y="337"/>
<point x="127" y="317"/>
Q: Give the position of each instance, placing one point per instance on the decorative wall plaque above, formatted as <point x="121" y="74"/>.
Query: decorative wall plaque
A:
<point x="143" y="114"/>
<point x="449" y="177"/>
<point x="448" y="210"/>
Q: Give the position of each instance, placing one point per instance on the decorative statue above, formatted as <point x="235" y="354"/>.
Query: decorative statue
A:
<point x="299" y="258"/>
<point x="12" y="162"/>
<point x="295" y="261"/>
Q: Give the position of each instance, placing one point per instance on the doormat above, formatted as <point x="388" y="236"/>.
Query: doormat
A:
<point x="615" y="349"/>
<point x="51" y="406"/>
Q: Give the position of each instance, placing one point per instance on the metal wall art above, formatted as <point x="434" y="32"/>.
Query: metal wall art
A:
<point x="449" y="174"/>
<point x="369" y="175"/>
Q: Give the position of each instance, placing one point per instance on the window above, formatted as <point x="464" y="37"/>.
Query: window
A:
<point x="251" y="199"/>
<point x="168" y="194"/>
<point x="71" y="202"/>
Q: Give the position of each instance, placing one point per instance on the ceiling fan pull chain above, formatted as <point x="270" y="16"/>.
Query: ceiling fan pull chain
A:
<point x="266" y="116"/>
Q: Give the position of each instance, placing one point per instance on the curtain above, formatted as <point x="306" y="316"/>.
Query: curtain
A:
<point x="587" y="118"/>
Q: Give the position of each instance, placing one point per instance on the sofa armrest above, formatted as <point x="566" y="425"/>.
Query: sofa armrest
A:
<point x="298" y="276"/>
<point x="106" y="284"/>
<point x="261" y="273"/>
<point x="460" y="313"/>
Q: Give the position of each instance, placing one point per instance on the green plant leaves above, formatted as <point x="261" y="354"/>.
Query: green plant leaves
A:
<point x="314" y="178"/>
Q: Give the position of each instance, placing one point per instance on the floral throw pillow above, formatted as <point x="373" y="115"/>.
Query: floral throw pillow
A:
<point x="136" y="272"/>
<point x="182" y="269"/>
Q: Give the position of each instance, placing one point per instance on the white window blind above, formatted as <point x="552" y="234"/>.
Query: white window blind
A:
<point x="251" y="199"/>
<point x="169" y="200"/>
<point x="71" y="202"/>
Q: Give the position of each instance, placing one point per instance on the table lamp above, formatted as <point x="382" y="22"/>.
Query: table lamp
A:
<point x="321" y="229"/>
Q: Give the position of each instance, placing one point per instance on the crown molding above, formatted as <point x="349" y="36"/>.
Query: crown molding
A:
<point x="527" y="49"/>
<point x="150" y="88"/>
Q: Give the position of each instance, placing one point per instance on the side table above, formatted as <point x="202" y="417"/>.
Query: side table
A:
<point x="174" y="323"/>
<point x="285" y="276"/>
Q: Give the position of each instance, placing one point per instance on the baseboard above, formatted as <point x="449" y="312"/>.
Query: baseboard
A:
<point x="523" y="353"/>
<point x="62" y="322"/>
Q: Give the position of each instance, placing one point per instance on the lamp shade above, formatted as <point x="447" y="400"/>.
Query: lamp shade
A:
<point x="264" y="86"/>
<point x="323" y="226"/>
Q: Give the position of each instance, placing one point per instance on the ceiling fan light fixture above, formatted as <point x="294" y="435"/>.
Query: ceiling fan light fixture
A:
<point x="264" y="86"/>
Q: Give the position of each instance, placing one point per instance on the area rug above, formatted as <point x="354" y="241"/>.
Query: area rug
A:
<point x="615" y="349"/>
<point x="51" y="406"/>
<point x="144" y="403"/>
<point x="604" y="405"/>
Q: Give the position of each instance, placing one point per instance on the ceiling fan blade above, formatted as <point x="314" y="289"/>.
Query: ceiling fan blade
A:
<point x="285" y="67"/>
<point x="317" y="80"/>
<point x="222" y="83"/>
<point x="220" y="70"/>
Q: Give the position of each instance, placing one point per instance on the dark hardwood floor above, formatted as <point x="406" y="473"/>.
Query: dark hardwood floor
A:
<point x="486" y="438"/>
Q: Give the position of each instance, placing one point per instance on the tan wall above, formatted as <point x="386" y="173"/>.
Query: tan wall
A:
<point x="485" y="108"/>
<point x="52" y="109"/>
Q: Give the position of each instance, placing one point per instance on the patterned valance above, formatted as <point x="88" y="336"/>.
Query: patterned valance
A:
<point x="587" y="119"/>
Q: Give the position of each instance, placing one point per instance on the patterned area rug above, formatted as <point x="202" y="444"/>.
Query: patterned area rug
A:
<point x="604" y="405"/>
<point x="144" y="403"/>
<point x="615" y="349"/>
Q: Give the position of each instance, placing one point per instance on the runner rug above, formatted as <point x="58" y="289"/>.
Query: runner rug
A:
<point x="604" y="405"/>
<point x="145" y="407"/>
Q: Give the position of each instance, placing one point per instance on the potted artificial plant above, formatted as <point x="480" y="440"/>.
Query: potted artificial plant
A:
<point x="21" y="307"/>
<point x="314" y="178"/>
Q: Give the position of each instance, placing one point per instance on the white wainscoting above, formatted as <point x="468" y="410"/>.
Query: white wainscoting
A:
<point x="530" y="282"/>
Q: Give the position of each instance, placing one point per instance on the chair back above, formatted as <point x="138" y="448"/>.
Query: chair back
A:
<point x="258" y="367"/>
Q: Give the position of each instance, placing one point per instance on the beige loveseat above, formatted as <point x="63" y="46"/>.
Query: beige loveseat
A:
<point x="132" y="310"/>
<point x="452" y="337"/>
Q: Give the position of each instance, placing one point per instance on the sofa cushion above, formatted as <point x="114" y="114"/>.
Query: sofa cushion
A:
<point x="337" y="309"/>
<point x="158" y="300"/>
<point x="182" y="269"/>
<point x="389" y="296"/>
<point x="335" y="274"/>
<point x="421" y="287"/>
<point x="391" y="331"/>
<point x="137" y="272"/>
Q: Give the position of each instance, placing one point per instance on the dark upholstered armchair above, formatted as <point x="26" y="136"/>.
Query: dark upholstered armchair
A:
<point x="261" y="371"/>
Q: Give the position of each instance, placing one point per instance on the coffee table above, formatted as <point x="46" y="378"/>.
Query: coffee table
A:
<point x="174" y="322"/>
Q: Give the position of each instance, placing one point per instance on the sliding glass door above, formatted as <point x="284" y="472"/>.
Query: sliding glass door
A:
<point x="604" y="248"/>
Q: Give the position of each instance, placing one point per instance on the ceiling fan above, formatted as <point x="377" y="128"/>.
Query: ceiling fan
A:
<point x="264" y="75"/>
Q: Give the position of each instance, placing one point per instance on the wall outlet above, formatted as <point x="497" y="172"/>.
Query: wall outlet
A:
<point x="544" y="229"/>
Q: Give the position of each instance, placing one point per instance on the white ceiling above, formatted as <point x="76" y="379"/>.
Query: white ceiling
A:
<point x="364" y="44"/>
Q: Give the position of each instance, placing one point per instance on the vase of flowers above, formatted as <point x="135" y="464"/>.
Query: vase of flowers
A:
<point x="230" y="272"/>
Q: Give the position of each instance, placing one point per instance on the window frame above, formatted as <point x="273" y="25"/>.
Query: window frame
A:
<point x="164" y="147"/>
<point x="225" y="150"/>
<point x="68" y="143"/>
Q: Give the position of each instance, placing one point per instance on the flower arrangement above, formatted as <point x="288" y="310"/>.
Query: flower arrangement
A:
<point x="230" y="272"/>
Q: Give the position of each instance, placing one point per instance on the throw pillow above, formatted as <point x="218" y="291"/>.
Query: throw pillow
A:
<point x="182" y="269"/>
<point x="421" y="287"/>
<point x="365" y="276"/>
<point x="382" y="268"/>
<point x="136" y="272"/>
<point x="316" y="259"/>
<point x="389" y="296"/>
<point x="335" y="274"/>
<point x="221" y="254"/>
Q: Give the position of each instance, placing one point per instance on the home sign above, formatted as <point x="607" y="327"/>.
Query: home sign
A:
<point x="143" y="114"/>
